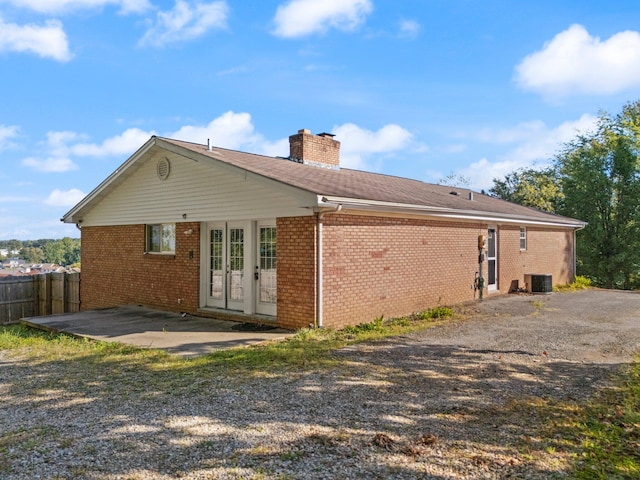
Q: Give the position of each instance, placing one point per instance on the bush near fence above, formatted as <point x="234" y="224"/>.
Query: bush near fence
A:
<point x="37" y="295"/>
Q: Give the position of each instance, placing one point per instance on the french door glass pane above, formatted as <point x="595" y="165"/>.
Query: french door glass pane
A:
<point x="491" y="257"/>
<point x="492" y="272"/>
<point x="492" y="243"/>
<point x="217" y="264"/>
<point x="236" y="263"/>
<point x="268" y="279"/>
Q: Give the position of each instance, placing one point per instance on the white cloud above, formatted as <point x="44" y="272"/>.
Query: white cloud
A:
<point x="230" y="130"/>
<point x="47" y="41"/>
<point x="50" y="165"/>
<point x="279" y="148"/>
<point x="187" y="20"/>
<point x="482" y="172"/>
<point x="388" y="138"/>
<point x="533" y="143"/>
<point x="357" y="144"/>
<point x="304" y="17"/>
<point x="534" y="140"/>
<point x="409" y="28"/>
<point x="64" y="6"/>
<point x="57" y="142"/>
<point x="61" y="146"/>
<point x="236" y="131"/>
<point x="124" y="144"/>
<point x="575" y="62"/>
<point x="6" y="134"/>
<point x="57" y="151"/>
<point x="69" y="198"/>
<point x="233" y="131"/>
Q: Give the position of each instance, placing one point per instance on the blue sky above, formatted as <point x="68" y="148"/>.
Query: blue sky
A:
<point x="415" y="88"/>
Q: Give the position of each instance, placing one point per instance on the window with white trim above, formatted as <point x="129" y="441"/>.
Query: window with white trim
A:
<point x="161" y="238"/>
<point x="523" y="238"/>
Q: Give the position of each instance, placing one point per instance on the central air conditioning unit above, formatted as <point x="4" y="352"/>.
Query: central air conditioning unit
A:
<point x="539" y="283"/>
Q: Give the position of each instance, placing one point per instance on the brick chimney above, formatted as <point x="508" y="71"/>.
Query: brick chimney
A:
<point x="317" y="150"/>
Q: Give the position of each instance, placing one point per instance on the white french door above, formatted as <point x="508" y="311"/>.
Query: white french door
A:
<point x="239" y="266"/>
<point x="226" y="255"/>
<point x="265" y="270"/>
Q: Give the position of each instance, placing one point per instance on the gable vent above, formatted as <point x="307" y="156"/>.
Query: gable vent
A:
<point x="163" y="168"/>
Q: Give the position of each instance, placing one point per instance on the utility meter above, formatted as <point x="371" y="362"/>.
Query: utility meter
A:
<point x="482" y="242"/>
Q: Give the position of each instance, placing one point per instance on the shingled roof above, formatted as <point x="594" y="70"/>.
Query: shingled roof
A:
<point x="377" y="191"/>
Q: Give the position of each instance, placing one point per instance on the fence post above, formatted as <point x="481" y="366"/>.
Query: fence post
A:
<point x="36" y="294"/>
<point x="48" y="300"/>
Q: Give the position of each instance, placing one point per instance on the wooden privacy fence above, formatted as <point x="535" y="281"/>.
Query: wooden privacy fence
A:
<point x="37" y="295"/>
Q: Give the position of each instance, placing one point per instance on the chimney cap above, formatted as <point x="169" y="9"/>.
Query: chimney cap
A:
<point x="325" y="134"/>
<point x="304" y="130"/>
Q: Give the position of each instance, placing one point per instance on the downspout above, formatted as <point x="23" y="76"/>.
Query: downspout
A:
<point x="575" y="254"/>
<point x="319" y="243"/>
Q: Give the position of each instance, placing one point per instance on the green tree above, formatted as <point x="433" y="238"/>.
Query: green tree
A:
<point x="11" y="246"/>
<point x="63" y="252"/>
<point x="54" y="252"/>
<point x="71" y="251"/>
<point x="31" y="254"/>
<point x="539" y="189"/>
<point x="600" y="178"/>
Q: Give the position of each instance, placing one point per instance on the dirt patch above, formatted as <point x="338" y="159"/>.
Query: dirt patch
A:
<point x="562" y="345"/>
<point x="600" y="326"/>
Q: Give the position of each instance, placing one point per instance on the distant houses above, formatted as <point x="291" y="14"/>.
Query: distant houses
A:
<point x="19" y="267"/>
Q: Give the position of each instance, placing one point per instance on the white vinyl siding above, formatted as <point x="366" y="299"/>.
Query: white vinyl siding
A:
<point x="195" y="191"/>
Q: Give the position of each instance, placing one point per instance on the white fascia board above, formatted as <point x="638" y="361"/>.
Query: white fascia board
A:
<point x="439" y="212"/>
<point x="69" y="217"/>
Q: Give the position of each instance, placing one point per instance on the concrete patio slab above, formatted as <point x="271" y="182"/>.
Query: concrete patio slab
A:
<point x="187" y="336"/>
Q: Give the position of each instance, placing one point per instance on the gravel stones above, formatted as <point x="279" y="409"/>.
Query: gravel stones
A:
<point x="460" y="400"/>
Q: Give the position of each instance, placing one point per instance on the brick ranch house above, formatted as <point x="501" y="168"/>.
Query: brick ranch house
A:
<point x="299" y="241"/>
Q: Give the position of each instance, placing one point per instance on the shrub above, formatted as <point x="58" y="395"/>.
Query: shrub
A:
<point x="580" y="283"/>
<point x="436" y="312"/>
<point x="376" y="325"/>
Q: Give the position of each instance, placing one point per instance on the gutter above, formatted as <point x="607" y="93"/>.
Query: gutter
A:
<point x="575" y="251"/>
<point x="320" y="212"/>
<point x="442" y="212"/>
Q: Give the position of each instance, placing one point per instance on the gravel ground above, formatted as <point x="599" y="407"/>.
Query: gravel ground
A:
<point x="429" y="405"/>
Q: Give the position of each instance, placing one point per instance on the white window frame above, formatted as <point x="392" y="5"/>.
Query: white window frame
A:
<point x="523" y="238"/>
<point x="492" y="287"/>
<point x="167" y="241"/>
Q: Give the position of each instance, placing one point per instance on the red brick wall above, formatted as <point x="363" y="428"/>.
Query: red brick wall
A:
<point x="296" y="271"/>
<point x="385" y="266"/>
<point x="115" y="270"/>
<point x="372" y="266"/>
<point x="548" y="251"/>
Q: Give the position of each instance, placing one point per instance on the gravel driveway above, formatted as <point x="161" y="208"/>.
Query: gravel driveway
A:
<point x="463" y="400"/>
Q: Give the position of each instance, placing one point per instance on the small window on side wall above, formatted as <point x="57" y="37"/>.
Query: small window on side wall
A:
<point x="523" y="238"/>
<point x="161" y="238"/>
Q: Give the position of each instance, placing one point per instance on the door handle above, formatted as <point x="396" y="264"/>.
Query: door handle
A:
<point x="257" y="273"/>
